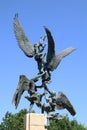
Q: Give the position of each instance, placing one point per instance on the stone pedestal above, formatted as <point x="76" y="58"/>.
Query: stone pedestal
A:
<point x="33" y="121"/>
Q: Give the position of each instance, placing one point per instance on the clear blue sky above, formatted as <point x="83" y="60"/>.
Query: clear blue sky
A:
<point x="67" y="20"/>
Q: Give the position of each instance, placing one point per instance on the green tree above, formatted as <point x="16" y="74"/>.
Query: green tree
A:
<point x="13" y="121"/>
<point x="66" y="124"/>
<point x="16" y="122"/>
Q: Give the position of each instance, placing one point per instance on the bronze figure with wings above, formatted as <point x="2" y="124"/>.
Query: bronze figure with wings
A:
<point x="46" y="62"/>
<point x="52" y="59"/>
<point x="29" y="50"/>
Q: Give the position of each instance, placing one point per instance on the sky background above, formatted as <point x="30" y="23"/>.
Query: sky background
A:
<point x="67" y="21"/>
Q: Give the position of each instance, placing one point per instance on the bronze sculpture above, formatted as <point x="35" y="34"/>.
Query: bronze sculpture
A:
<point x="45" y="67"/>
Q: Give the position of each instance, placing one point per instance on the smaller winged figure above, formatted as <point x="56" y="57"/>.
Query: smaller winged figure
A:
<point x="58" y="102"/>
<point x="28" y="85"/>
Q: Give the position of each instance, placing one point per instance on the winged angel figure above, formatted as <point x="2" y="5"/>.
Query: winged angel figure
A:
<point x="28" y="85"/>
<point x="58" y="102"/>
<point x="52" y="59"/>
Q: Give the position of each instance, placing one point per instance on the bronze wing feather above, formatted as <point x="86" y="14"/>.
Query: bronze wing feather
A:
<point x="53" y="59"/>
<point x="63" y="102"/>
<point x="58" y="57"/>
<point x="23" y="85"/>
<point x="51" y="46"/>
<point x="22" y="39"/>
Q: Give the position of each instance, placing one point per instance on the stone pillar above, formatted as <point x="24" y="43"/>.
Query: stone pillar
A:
<point x="34" y="121"/>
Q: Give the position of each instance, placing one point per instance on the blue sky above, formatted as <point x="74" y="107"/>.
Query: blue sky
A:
<point x="67" y="21"/>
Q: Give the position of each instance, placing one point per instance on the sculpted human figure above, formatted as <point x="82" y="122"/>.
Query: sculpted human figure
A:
<point x="39" y="55"/>
<point x="35" y="98"/>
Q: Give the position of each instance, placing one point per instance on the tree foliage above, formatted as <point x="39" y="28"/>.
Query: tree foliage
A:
<point x="66" y="124"/>
<point x="13" y="121"/>
<point x="16" y="122"/>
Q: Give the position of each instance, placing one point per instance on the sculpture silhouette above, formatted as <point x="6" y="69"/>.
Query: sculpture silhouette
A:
<point x="52" y="60"/>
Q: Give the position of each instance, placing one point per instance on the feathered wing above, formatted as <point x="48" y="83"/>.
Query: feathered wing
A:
<point x="51" y="45"/>
<point x="22" y="39"/>
<point x="55" y="61"/>
<point x="63" y="102"/>
<point x="23" y="85"/>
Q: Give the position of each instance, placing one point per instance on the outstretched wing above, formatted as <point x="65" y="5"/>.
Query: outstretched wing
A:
<point x="63" y="102"/>
<point x="23" y="41"/>
<point x="23" y="85"/>
<point x="51" y="45"/>
<point x="55" y="61"/>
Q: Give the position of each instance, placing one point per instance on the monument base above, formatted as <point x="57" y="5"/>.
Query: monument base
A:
<point x="34" y="121"/>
